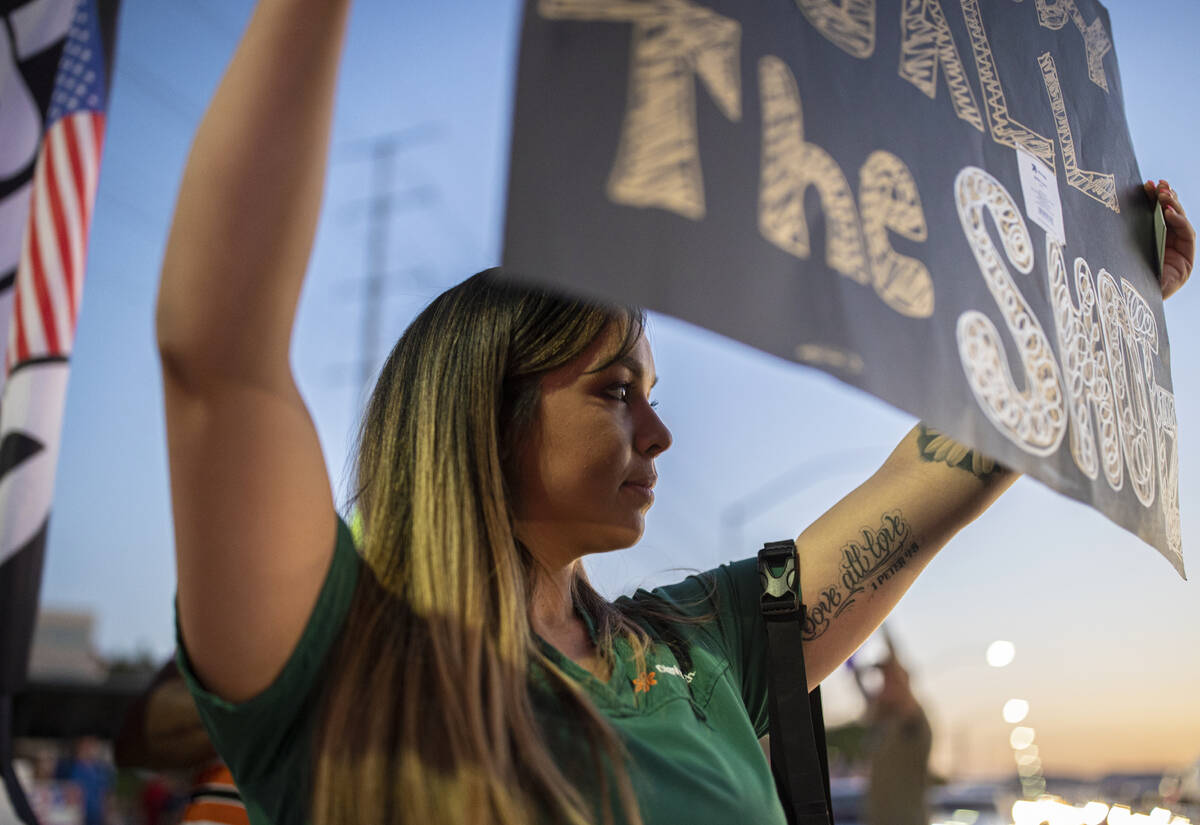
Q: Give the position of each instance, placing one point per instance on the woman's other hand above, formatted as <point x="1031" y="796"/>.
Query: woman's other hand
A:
<point x="1180" y="252"/>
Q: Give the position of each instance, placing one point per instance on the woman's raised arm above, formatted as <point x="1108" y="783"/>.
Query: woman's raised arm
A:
<point x="859" y="558"/>
<point x="254" y="517"/>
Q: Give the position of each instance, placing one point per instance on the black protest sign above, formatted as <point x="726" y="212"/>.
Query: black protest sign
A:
<point x="934" y="200"/>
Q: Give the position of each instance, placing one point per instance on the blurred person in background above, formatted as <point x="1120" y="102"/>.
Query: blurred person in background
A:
<point x="900" y="740"/>
<point x="90" y="769"/>
<point x="162" y="731"/>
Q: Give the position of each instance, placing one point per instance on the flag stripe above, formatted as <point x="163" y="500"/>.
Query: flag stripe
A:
<point x="88" y="137"/>
<point x="55" y="267"/>
<point x="66" y="216"/>
<point x="96" y="121"/>
<point x="31" y="326"/>
<point x="36" y="278"/>
<point x="76" y="148"/>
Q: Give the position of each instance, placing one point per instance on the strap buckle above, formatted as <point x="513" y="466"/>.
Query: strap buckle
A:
<point x="780" y="585"/>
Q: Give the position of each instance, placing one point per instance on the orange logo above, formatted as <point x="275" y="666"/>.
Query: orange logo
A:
<point x="643" y="683"/>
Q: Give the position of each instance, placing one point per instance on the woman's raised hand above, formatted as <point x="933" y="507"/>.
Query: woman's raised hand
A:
<point x="1180" y="253"/>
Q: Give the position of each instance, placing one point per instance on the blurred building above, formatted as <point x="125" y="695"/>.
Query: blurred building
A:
<point x="63" y="648"/>
<point x="72" y="690"/>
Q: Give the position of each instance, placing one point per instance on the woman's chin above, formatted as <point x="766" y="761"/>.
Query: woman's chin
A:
<point x="627" y="536"/>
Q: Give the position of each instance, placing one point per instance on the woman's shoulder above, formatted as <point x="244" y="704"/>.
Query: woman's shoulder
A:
<point x="267" y="739"/>
<point x="725" y="591"/>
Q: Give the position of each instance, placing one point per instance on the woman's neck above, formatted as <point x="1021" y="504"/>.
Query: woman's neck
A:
<point x="552" y="616"/>
<point x="551" y="609"/>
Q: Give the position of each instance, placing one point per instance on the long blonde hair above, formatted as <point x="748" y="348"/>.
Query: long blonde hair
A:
<point x="428" y="715"/>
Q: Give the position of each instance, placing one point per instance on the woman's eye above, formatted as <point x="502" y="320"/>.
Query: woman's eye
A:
<point x="623" y="392"/>
<point x="620" y="392"/>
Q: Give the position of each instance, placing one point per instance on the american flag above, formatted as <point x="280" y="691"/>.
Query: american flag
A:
<point x="49" y="280"/>
<point x="47" y="188"/>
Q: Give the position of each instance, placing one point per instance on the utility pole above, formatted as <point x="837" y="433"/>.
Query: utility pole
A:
<point x="383" y="155"/>
<point x="383" y="203"/>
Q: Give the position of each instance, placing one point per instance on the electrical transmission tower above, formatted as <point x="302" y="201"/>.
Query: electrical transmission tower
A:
<point x="383" y="203"/>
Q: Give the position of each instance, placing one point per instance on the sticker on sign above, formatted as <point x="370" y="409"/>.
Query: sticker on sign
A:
<point x="1039" y="185"/>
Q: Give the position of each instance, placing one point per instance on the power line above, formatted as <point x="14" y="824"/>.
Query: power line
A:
<point x="366" y="148"/>
<point x="422" y="195"/>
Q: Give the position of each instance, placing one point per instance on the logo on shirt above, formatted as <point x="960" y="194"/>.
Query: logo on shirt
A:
<point x="643" y="683"/>
<point x="675" y="671"/>
<point x="649" y="678"/>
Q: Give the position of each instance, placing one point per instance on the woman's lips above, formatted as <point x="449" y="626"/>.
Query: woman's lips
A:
<point x="641" y="488"/>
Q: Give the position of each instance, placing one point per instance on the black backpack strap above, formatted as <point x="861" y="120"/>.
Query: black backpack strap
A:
<point x="799" y="760"/>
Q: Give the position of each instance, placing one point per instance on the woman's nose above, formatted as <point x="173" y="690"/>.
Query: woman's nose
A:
<point x="653" y="436"/>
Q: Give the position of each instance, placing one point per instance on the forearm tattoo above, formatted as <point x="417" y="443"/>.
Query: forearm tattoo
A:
<point x="934" y="446"/>
<point x="867" y="562"/>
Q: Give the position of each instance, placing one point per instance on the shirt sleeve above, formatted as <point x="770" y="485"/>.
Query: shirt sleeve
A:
<point x="266" y="740"/>
<point x="730" y="595"/>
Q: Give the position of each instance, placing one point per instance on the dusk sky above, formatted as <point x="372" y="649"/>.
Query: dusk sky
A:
<point x="1105" y="632"/>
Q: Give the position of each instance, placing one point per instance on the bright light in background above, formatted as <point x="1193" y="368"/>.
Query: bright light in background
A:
<point x="1025" y="758"/>
<point x="1030" y="768"/>
<point x="1021" y="738"/>
<point x="1015" y="710"/>
<point x="1000" y="653"/>
<point x="1094" y="813"/>
<point x="1121" y="815"/>
<point x="1041" y="811"/>
<point x="1027" y="812"/>
<point x="1029" y="763"/>
<point x="963" y="816"/>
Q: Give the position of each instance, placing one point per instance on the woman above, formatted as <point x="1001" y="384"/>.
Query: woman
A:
<point x="461" y="669"/>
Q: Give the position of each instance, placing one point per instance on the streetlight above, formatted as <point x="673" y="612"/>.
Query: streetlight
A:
<point x="1000" y="653"/>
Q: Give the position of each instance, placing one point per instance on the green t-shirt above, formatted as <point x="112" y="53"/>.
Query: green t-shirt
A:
<point x="694" y="754"/>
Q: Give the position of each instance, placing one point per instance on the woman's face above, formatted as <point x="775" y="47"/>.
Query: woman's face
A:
<point x="586" y="473"/>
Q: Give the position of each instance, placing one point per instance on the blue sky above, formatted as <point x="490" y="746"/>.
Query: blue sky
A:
<point x="1105" y="631"/>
